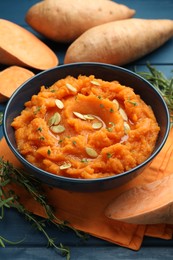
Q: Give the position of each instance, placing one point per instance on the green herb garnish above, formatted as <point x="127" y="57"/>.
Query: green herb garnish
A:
<point x="74" y="143"/>
<point x="9" y="199"/>
<point x="37" y="110"/>
<point x="110" y="129"/>
<point x="109" y="155"/>
<point x="60" y="141"/>
<point x="4" y="241"/>
<point x="39" y="129"/>
<point x="1" y="117"/>
<point x="48" y="152"/>
<point x="132" y="102"/>
<point x="162" y="84"/>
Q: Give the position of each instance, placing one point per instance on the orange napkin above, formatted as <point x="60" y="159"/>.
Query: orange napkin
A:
<point x="85" y="211"/>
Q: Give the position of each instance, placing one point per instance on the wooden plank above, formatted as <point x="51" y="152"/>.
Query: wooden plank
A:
<point x="86" y="253"/>
<point x="15" y="227"/>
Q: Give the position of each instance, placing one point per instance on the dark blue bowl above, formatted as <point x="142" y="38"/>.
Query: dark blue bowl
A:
<point x="106" y="72"/>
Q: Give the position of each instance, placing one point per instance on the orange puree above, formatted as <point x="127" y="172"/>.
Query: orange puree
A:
<point x="86" y="128"/>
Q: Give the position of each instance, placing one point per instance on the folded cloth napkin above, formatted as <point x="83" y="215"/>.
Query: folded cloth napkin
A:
<point x="85" y="211"/>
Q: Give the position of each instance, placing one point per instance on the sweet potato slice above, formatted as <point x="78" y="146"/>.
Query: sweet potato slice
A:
<point x="119" y="42"/>
<point x="65" y="20"/>
<point x="20" y="47"/>
<point x="10" y="79"/>
<point x="148" y="204"/>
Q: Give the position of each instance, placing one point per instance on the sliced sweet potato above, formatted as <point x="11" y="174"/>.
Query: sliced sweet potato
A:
<point x="10" y="79"/>
<point x="148" y="204"/>
<point x="20" y="47"/>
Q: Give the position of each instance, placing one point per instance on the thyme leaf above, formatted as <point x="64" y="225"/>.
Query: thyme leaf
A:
<point x="4" y="240"/>
<point x="1" y="117"/>
<point x="8" y="199"/>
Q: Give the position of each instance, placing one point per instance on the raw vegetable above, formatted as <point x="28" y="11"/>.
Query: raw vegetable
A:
<point x="147" y="204"/>
<point x="9" y="198"/>
<point x="64" y="20"/>
<point x="10" y="79"/>
<point x="120" y="42"/>
<point x="20" y="47"/>
<point x="151" y="203"/>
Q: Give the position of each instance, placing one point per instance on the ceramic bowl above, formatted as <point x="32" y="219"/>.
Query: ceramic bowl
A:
<point x="106" y="72"/>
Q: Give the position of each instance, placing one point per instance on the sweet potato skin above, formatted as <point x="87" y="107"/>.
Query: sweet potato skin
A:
<point x="20" y="47"/>
<point x="64" y="20"/>
<point x="120" y="42"/>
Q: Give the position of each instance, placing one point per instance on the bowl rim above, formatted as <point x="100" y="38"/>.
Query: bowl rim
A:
<point x="76" y="180"/>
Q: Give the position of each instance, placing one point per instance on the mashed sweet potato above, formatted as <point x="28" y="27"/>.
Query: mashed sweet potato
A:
<point x="86" y="128"/>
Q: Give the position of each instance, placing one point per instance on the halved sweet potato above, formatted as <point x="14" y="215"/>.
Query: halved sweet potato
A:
<point x="20" y="47"/>
<point x="148" y="204"/>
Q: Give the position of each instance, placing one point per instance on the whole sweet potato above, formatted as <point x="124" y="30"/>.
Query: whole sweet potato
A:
<point x="120" y="42"/>
<point x="65" y="20"/>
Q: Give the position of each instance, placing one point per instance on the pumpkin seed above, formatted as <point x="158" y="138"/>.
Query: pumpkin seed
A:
<point x="71" y="88"/>
<point x="65" y="166"/>
<point x="123" y="114"/>
<point x="79" y="115"/>
<point x="89" y="117"/>
<point x="55" y="119"/>
<point x="116" y="103"/>
<point x="59" y="104"/>
<point x="97" y="125"/>
<point x="95" y="82"/>
<point x="91" y="152"/>
<point x="126" y="127"/>
<point x="57" y="129"/>
<point x="51" y="121"/>
<point x="84" y="160"/>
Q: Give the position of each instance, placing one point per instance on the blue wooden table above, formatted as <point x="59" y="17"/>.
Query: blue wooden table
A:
<point x="15" y="227"/>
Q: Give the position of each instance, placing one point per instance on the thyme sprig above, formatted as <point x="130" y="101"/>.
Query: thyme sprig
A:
<point x="9" y="199"/>
<point x="1" y="117"/>
<point x="163" y="84"/>
<point x="4" y="240"/>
